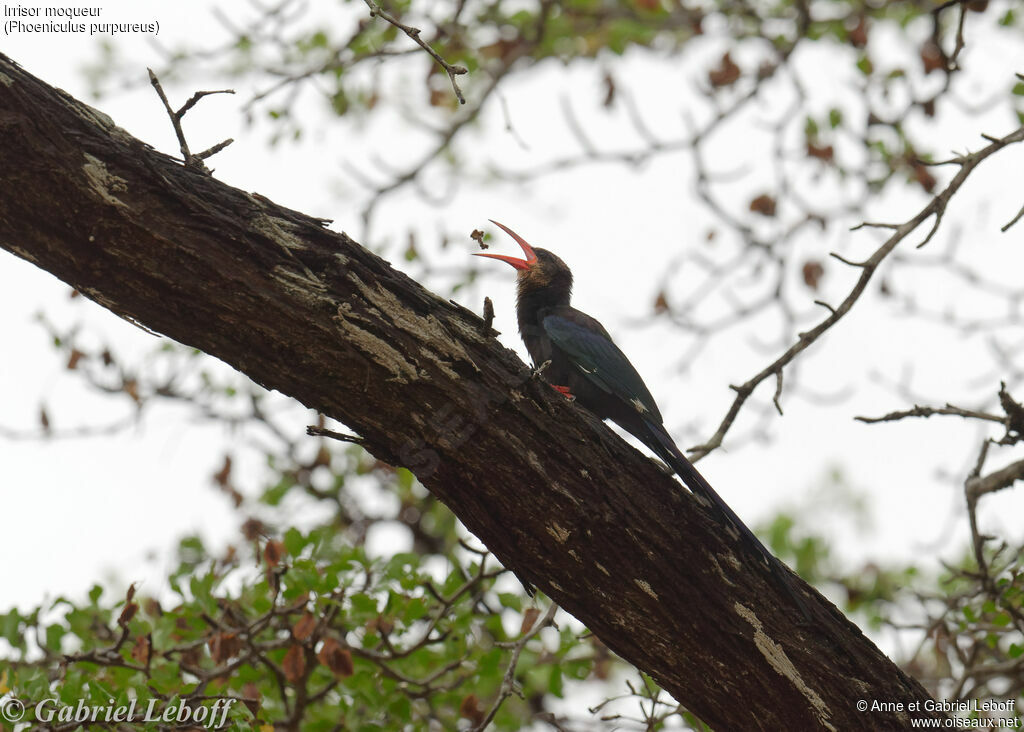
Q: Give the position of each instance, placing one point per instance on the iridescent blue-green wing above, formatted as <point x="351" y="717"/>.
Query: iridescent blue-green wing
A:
<point x="589" y="348"/>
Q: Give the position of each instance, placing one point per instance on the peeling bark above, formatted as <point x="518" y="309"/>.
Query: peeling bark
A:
<point x="554" y="493"/>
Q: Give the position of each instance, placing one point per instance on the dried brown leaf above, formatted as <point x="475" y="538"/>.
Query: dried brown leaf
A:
<point x="74" y="358"/>
<point x="813" y="271"/>
<point x="294" y="664"/>
<point x="222" y="476"/>
<point x="821" y="152"/>
<point x="923" y="176"/>
<point x="140" y="651"/>
<point x="764" y="205"/>
<point x="859" y="33"/>
<point x="470" y="709"/>
<point x="529" y="618"/>
<point x="726" y="73"/>
<point x="253" y="529"/>
<point x="932" y="57"/>
<point x="336" y="658"/>
<point x="127" y="614"/>
<point x="131" y="388"/>
<point x="304" y="627"/>
<point x="273" y="552"/>
<point x="224" y="646"/>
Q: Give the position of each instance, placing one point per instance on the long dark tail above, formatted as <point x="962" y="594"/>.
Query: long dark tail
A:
<point x="665" y="447"/>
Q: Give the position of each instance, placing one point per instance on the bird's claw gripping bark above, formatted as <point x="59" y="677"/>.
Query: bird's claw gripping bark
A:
<point x="540" y="369"/>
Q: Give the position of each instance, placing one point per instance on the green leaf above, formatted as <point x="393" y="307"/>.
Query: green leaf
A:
<point x="53" y="635"/>
<point x="414" y="610"/>
<point x="511" y="600"/>
<point x="294" y="541"/>
<point x="276" y="493"/>
<point x="555" y="685"/>
<point x="363" y="604"/>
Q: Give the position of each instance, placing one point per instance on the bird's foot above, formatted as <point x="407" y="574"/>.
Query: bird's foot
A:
<point x="564" y="391"/>
<point x="540" y="369"/>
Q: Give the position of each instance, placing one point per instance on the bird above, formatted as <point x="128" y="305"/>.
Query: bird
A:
<point x="578" y="357"/>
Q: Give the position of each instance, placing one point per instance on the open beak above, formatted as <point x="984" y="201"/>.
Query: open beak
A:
<point x="521" y="264"/>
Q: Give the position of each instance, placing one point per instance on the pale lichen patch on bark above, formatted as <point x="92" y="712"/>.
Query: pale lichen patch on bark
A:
<point x="561" y="535"/>
<point x="646" y="587"/>
<point x="100" y="119"/>
<point x="275" y="229"/>
<point x="6" y="80"/>
<point x="375" y="348"/>
<point x="731" y="559"/>
<point x="298" y="285"/>
<point x="603" y="569"/>
<point x="561" y="490"/>
<point x="778" y="660"/>
<point x="427" y="328"/>
<point x="103" y="181"/>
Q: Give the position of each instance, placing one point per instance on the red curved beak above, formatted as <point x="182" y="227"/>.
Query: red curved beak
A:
<point x="523" y="264"/>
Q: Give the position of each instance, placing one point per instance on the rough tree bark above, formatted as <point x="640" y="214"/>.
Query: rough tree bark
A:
<point x="554" y="493"/>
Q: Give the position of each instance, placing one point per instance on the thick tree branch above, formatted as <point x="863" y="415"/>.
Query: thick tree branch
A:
<point x="555" y="494"/>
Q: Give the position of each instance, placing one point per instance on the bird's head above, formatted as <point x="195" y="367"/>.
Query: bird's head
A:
<point x="540" y="269"/>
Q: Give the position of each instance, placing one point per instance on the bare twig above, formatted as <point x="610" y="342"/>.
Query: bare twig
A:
<point x="778" y="391"/>
<point x="195" y="160"/>
<point x="315" y="431"/>
<point x="935" y="208"/>
<point x="1013" y="221"/>
<point x="414" y="34"/>
<point x="919" y="411"/>
<point x="488" y="314"/>
<point x="508" y="684"/>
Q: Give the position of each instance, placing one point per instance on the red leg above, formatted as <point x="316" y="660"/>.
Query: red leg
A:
<point x="564" y="391"/>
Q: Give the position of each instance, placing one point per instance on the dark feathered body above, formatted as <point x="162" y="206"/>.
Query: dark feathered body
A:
<point x="583" y="360"/>
<point x="543" y="311"/>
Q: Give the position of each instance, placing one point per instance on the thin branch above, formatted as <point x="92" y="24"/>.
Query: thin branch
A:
<point x="1013" y="221"/>
<point x="1004" y="478"/>
<point x="414" y="34"/>
<point x="778" y="391"/>
<point x="315" y="431"/>
<point x="508" y="684"/>
<point x="936" y="207"/>
<point x="191" y="161"/>
<point x="919" y="411"/>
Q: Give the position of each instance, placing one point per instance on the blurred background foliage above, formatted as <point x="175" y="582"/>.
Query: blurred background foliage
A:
<point x="295" y="618"/>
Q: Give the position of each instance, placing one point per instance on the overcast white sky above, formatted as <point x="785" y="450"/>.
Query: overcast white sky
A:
<point x="74" y="509"/>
